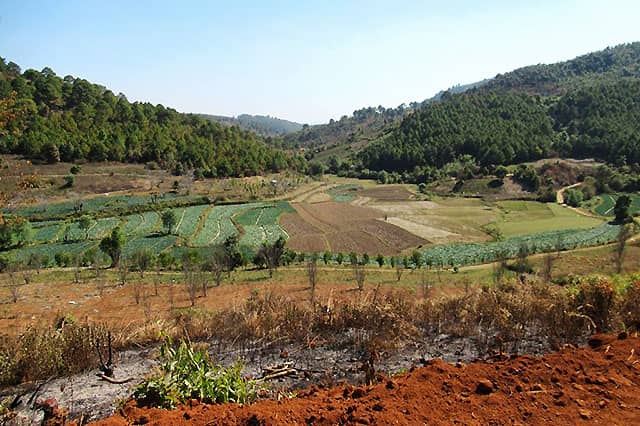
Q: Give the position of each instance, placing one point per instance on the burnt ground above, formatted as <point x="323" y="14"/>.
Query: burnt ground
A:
<point x="90" y="398"/>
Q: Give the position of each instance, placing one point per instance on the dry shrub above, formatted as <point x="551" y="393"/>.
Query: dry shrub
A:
<point x="47" y="351"/>
<point x="593" y="300"/>
<point x="630" y="305"/>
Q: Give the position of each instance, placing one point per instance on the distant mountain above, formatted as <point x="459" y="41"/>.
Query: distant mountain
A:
<point x="263" y="125"/>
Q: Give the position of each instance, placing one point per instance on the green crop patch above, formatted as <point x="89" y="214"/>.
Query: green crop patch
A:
<point x="344" y="193"/>
<point x="608" y="202"/>
<point x="464" y="254"/>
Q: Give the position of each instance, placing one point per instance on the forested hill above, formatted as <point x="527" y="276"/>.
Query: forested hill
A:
<point x="612" y="63"/>
<point x="263" y="125"/>
<point x="350" y="133"/>
<point x="48" y="118"/>
<point x="594" y="111"/>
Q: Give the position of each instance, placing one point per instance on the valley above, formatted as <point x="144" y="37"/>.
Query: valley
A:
<point x="185" y="261"/>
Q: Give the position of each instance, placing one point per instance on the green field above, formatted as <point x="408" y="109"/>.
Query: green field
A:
<point x="464" y="254"/>
<point x="260" y="224"/>
<point x="197" y="227"/>
<point x="608" y="202"/>
<point x="528" y="217"/>
<point x="344" y="193"/>
<point x="104" y="203"/>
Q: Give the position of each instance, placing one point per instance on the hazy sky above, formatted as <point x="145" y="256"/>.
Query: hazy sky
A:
<point x="307" y="61"/>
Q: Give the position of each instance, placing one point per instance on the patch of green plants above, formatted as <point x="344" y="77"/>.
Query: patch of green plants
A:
<point x="343" y="193"/>
<point x="188" y="373"/>
<point x="608" y="202"/>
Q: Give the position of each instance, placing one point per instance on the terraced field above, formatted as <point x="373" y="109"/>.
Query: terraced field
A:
<point x="197" y="227"/>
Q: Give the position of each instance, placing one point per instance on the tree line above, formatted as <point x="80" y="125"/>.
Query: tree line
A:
<point x="47" y="118"/>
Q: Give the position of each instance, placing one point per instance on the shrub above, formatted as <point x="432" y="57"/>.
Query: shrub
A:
<point x="629" y="309"/>
<point x="186" y="373"/>
<point x="594" y="298"/>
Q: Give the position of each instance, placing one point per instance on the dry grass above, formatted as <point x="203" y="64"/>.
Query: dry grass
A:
<point x="377" y="318"/>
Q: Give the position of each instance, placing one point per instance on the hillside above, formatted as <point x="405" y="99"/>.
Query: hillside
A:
<point x="49" y="119"/>
<point x="593" y="112"/>
<point x="263" y="125"/>
<point x="610" y="64"/>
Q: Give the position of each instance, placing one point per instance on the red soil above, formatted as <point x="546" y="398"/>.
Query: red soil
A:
<point x="574" y="386"/>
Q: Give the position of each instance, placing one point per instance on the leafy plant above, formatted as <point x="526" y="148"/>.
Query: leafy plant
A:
<point x="188" y="373"/>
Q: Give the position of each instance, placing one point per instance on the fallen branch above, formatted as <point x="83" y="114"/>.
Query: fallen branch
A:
<point x="112" y="380"/>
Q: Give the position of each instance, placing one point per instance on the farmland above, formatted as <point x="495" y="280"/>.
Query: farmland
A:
<point x="197" y="226"/>
<point x="340" y="217"/>
<point x="608" y="202"/>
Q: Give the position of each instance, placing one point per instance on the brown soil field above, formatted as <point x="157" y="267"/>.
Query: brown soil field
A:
<point x="596" y="384"/>
<point x="344" y="227"/>
<point x="387" y="193"/>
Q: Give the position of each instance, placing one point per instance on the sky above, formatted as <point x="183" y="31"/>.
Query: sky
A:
<point x="305" y="61"/>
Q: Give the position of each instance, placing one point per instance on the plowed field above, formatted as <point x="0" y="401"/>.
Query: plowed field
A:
<point x="344" y="227"/>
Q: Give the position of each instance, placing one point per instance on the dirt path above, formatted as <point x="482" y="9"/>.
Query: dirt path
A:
<point x="596" y="384"/>
<point x="560" y="200"/>
<point x="317" y="187"/>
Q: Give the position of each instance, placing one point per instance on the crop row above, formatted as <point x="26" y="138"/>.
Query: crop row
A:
<point x="104" y="203"/>
<point x="462" y="254"/>
<point x="606" y="206"/>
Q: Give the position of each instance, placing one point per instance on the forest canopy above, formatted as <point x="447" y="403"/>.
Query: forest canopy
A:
<point x="48" y="118"/>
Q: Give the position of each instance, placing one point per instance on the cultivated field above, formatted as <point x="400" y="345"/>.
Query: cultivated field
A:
<point x="608" y="202"/>
<point x="345" y="227"/>
<point x="197" y="226"/>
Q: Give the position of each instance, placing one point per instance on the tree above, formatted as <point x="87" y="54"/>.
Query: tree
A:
<point x="573" y="197"/>
<point x="380" y="260"/>
<point x="50" y="153"/>
<point x="312" y="275"/>
<point x="85" y="223"/>
<point x="397" y="264"/>
<point x="232" y="255"/>
<point x="359" y="274"/>
<point x="326" y="257"/>
<point x="14" y="232"/>
<point x="621" y="243"/>
<point x="621" y="209"/>
<point x="112" y="245"/>
<point x="547" y="266"/>
<point x="216" y="264"/>
<point x="501" y="172"/>
<point x="142" y="259"/>
<point x="69" y="181"/>
<point x="169" y="220"/>
<point x="416" y="258"/>
<point x="192" y="274"/>
<point x="272" y="254"/>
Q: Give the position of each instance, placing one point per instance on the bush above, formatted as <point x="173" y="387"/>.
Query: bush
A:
<point x="594" y="299"/>
<point x="69" y="181"/>
<point x="75" y="169"/>
<point x="63" y="260"/>
<point x="187" y="373"/>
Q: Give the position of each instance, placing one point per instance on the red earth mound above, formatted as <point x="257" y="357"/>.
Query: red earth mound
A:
<point x="595" y="384"/>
